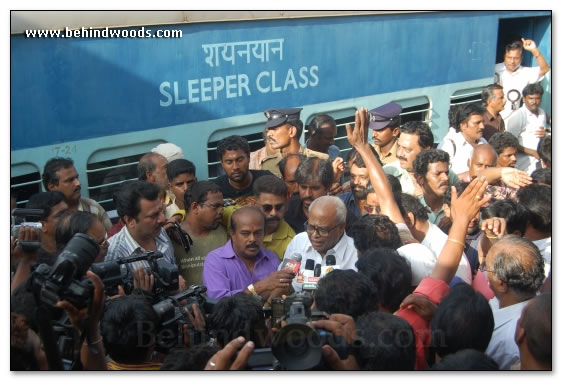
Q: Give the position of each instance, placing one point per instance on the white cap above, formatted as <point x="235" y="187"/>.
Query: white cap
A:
<point x="169" y="150"/>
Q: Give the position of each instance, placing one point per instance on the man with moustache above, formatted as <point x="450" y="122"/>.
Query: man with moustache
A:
<point x="242" y="265"/>
<point x="468" y="134"/>
<point x="59" y="174"/>
<point x="494" y="101"/>
<point x="204" y="211"/>
<point x="431" y="172"/>
<point x="506" y="146"/>
<point x="385" y="122"/>
<point x="140" y="208"/>
<point x="415" y="137"/>
<point x="234" y="153"/>
<point x="284" y="130"/>
<point x="356" y="200"/>
<point x="528" y="125"/>
<point x="288" y="167"/>
<point x="324" y="235"/>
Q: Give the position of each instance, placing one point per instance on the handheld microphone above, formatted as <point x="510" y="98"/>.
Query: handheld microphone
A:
<point x="310" y="277"/>
<point x="330" y="265"/>
<point x="292" y="262"/>
<point x="307" y="272"/>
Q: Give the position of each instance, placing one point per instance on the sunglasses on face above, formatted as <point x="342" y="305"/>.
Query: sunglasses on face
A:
<point x="267" y="208"/>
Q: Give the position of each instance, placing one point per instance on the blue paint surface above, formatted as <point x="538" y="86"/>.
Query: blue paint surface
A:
<point x="71" y="89"/>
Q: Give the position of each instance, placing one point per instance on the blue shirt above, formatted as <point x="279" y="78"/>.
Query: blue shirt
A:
<point x="225" y="274"/>
<point x="350" y="203"/>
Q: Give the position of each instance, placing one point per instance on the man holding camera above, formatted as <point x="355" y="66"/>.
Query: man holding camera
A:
<point x="139" y="206"/>
<point x="242" y="265"/>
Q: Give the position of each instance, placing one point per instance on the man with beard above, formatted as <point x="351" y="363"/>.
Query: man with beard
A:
<point x="356" y="200"/>
<point x="528" y="125"/>
<point x="59" y="174"/>
<point x="314" y="177"/>
<point x="140" y="208"/>
<point x="384" y="124"/>
<point x="506" y="146"/>
<point x="431" y="172"/>
<point x="234" y="153"/>
<point x="241" y="265"/>
<point x="203" y="203"/>
<point x="288" y="167"/>
<point x="284" y="130"/>
<point x="459" y="144"/>
<point x="415" y="137"/>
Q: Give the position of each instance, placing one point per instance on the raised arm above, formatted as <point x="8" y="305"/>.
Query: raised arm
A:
<point x="463" y="209"/>
<point x="358" y="138"/>
<point x="531" y="47"/>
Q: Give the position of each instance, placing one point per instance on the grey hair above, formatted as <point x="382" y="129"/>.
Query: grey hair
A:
<point x="519" y="264"/>
<point x="338" y="205"/>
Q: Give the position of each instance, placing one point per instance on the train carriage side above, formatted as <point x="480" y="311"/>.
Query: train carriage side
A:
<point x="106" y="101"/>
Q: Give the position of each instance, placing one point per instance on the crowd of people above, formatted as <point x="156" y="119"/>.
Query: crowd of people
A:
<point x="426" y="258"/>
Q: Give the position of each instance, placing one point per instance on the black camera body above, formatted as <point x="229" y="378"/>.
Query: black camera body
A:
<point x="19" y="219"/>
<point x="116" y="272"/>
<point x="63" y="280"/>
<point x="172" y="317"/>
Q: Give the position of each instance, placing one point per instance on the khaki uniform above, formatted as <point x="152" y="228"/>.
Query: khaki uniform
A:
<point x="271" y="162"/>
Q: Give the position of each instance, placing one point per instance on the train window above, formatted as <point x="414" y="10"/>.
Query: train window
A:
<point x="107" y="169"/>
<point x="462" y="97"/>
<point x="23" y="186"/>
<point x="215" y="170"/>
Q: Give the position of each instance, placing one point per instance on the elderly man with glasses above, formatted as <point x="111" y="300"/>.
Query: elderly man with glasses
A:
<point x="324" y="238"/>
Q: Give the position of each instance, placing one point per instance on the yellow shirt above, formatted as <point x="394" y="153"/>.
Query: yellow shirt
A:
<point x="277" y="242"/>
<point x="391" y="155"/>
<point x="271" y="162"/>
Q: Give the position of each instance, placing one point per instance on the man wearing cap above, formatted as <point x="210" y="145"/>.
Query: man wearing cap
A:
<point x="284" y="130"/>
<point x="169" y="150"/>
<point x="384" y="124"/>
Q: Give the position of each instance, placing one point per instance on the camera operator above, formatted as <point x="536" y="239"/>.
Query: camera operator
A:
<point x="129" y="329"/>
<point x="139" y="206"/>
<point x="238" y="315"/>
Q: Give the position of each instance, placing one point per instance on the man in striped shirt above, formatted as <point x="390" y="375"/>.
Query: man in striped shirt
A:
<point x="142" y="211"/>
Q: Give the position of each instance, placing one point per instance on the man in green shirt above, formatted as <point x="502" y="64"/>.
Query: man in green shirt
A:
<point x="203" y="203"/>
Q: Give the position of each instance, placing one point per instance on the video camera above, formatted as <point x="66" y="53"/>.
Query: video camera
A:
<point x="19" y="219"/>
<point x="116" y="272"/>
<point x="172" y="316"/>
<point x="297" y="345"/>
<point x="63" y="280"/>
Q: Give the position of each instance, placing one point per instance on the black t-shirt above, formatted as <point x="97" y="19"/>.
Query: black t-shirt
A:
<point x="229" y="192"/>
<point x="296" y="218"/>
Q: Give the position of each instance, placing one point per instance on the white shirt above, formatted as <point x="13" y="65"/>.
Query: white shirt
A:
<point x="460" y="150"/>
<point x="503" y="348"/>
<point x="421" y="259"/>
<point x="435" y="240"/>
<point x="515" y="80"/>
<point x="523" y="124"/>
<point x="544" y="245"/>
<point x="344" y="251"/>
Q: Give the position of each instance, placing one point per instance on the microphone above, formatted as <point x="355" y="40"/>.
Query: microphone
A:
<point x="307" y="272"/>
<point x="311" y="275"/>
<point x="292" y="262"/>
<point x="330" y="265"/>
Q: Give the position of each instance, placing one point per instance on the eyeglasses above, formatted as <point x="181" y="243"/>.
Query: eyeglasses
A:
<point x="269" y="207"/>
<point x="322" y="231"/>
<point x="370" y="209"/>
<point x="483" y="268"/>
<point x="213" y="206"/>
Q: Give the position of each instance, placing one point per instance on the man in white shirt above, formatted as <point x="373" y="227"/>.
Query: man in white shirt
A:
<point x="324" y="235"/>
<point x="429" y="234"/>
<point x="528" y="125"/>
<point x="469" y="134"/>
<point x="513" y="76"/>
<point x="515" y="270"/>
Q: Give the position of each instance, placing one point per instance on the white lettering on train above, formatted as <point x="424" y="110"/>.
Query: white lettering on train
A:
<point x="236" y="85"/>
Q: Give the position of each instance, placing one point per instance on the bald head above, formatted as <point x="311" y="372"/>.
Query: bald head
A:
<point x="518" y="263"/>
<point x="248" y="213"/>
<point x="330" y="205"/>
<point x="484" y="156"/>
